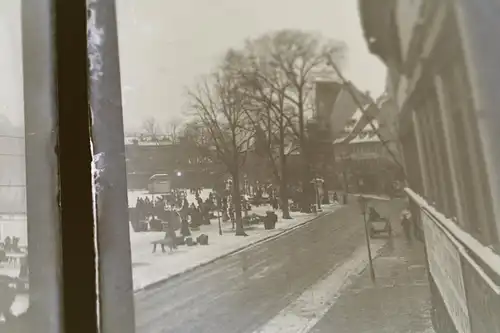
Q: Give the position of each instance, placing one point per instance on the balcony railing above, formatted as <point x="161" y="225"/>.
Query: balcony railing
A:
<point x="466" y="272"/>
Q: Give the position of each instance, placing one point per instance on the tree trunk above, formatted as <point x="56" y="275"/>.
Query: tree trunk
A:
<point x="326" y="196"/>
<point x="307" y="189"/>
<point x="285" y="208"/>
<point x="237" y="203"/>
<point x="306" y="192"/>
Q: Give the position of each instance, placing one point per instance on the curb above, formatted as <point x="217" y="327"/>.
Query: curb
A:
<point x="240" y="249"/>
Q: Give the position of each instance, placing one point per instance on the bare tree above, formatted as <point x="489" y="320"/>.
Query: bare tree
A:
<point x="151" y="128"/>
<point x="195" y="134"/>
<point x="284" y="66"/>
<point x="268" y="114"/>
<point x="221" y="108"/>
<point x="173" y="130"/>
<point x="197" y="143"/>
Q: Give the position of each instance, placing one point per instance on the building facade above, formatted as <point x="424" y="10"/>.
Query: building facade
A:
<point x="442" y="60"/>
<point x="366" y="152"/>
<point x="334" y="106"/>
<point x="146" y="157"/>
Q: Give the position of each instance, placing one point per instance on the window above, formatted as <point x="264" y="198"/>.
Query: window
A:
<point x="431" y="189"/>
<point x="466" y="151"/>
<point x="48" y="245"/>
<point x="435" y="128"/>
<point x="104" y="242"/>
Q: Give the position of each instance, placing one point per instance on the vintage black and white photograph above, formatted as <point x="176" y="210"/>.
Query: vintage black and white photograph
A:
<point x="273" y="166"/>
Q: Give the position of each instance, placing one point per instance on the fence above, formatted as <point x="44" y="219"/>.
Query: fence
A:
<point x="465" y="272"/>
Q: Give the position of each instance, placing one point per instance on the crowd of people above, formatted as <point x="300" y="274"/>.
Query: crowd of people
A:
<point x="9" y="245"/>
<point x="172" y="212"/>
<point x="152" y="213"/>
<point x="173" y="208"/>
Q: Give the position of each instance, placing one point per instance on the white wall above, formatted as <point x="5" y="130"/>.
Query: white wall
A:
<point x="11" y="78"/>
<point x="343" y="110"/>
<point x="12" y="160"/>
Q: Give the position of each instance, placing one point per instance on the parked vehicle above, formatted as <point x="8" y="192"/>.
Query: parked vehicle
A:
<point x="159" y="183"/>
<point x="377" y="224"/>
<point x="380" y="226"/>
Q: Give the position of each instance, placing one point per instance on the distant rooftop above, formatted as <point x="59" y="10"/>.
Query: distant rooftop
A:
<point x="367" y="134"/>
<point x="148" y="140"/>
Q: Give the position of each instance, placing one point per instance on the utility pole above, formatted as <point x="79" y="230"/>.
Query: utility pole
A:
<point x="219" y="209"/>
<point x="319" y="182"/>
<point x="318" y="199"/>
<point x="363" y="204"/>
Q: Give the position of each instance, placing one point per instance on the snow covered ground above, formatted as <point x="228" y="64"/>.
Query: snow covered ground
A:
<point x="309" y="308"/>
<point x="150" y="268"/>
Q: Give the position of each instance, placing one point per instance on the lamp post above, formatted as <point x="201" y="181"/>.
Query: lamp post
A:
<point x="363" y="205"/>
<point x="246" y="186"/>
<point x="219" y="209"/>
<point x="317" y="183"/>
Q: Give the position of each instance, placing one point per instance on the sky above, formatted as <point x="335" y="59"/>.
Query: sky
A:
<point x="165" y="46"/>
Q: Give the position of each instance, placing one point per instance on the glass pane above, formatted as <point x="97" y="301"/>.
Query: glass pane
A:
<point x="14" y="284"/>
<point x="247" y="149"/>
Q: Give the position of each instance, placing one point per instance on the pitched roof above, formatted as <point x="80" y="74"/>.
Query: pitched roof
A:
<point x="344" y="108"/>
<point x="358" y="129"/>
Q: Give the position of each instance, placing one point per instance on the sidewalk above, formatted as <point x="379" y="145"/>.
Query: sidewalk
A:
<point x="399" y="301"/>
<point x="151" y="268"/>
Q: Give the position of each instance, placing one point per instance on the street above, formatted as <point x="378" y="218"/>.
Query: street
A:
<point x="243" y="292"/>
<point x="399" y="302"/>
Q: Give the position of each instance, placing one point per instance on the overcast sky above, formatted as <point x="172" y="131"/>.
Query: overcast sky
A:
<point x="165" y="45"/>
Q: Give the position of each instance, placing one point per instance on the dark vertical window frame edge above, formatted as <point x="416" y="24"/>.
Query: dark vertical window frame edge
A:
<point x="80" y="307"/>
<point x="110" y="190"/>
<point x="43" y="215"/>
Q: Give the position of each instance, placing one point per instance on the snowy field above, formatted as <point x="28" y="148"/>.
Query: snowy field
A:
<point x="149" y="268"/>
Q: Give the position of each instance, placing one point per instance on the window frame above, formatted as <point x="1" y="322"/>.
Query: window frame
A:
<point x="45" y="311"/>
<point x="80" y="268"/>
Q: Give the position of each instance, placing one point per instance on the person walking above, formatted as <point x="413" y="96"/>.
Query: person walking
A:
<point x="170" y="236"/>
<point x="7" y="297"/>
<point x="185" y="232"/>
<point x="406" y="225"/>
<point x="274" y="202"/>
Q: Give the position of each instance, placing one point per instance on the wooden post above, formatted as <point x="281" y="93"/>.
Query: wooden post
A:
<point x="363" y="204"/>
<point x="113" y="240"/>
